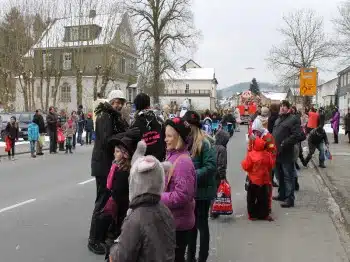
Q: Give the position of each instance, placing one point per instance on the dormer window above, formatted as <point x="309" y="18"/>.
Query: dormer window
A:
<point x="85" y="32"/>
<point x="81" y="33"/>
<point x="74" y="33"/>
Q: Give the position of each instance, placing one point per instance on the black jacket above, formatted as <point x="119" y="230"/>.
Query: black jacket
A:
<point x="39" y="120"/>
<point x="81" y="120"/>
<point x="322" y="118"/>
<point x="271" y="122"/>
<point x="221" y="140"/>
<point x="52" y="120"/>
<point x="152" y="131"/>
<point x="287" y="132"/>
<point x="89" y="125"/>
<point x="109" y="123"/>
<point x="12" y="130"/>
<point x="317" y="136"/>
<point x="228" y="118"/>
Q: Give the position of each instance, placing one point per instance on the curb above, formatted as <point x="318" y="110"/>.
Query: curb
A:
<point x="339" y="215"/>
<point x="23" y="152"/>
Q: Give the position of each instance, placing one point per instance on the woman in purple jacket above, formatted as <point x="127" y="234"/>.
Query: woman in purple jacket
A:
<point x="335" y="124"/>
<point x="180" y="183"/>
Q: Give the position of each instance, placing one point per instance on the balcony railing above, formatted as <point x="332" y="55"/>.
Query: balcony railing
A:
<point x="190" y="92"/>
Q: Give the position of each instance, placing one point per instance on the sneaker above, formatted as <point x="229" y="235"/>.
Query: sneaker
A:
<point x="96" y="248"/>
<point x="322" y="166"/>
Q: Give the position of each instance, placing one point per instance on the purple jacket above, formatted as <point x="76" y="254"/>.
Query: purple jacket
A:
<point x="335" y="122"/>
<point x="179" y="196"/>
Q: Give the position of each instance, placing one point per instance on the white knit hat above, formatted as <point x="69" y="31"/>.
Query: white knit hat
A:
<point x="116" y="94"/>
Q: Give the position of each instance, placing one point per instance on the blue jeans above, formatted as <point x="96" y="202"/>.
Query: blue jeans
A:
<point x="312" y="149"/>
<point x="32" y="147"/>
<point x="286" y="174"/>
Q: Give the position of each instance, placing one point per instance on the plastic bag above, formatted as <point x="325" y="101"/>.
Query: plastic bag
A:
<point x="93" y="137"/>
<point x="328" y="154"/>
<point x="8" y="144"/>
<point x="223" y="204"/>
<point x="42" y="141"/>
<point x="60" y="136"/>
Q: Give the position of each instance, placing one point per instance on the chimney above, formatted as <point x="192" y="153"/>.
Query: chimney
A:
<point x="92" y="14"/>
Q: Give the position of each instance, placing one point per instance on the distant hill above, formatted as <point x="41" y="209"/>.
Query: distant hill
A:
<point x="240" y="87"/>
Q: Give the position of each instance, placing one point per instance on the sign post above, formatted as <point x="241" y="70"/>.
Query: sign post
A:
<point x="308" y="81"/>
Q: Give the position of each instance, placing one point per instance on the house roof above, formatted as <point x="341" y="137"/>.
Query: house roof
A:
<point x="345" y="70"/>
<point x="192" y="74"/>
<point x="275" y="96"/>
<point x="329" y="88"/>
<point x="184" y="65"/>
<point x="53" y="37"/>
<point x="343" y="90"/>
<point x="295" y="91"/>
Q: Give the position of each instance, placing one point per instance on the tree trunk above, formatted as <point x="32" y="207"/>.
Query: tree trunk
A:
<point x="41" y="89"/>
<point x="57" y="84"/>
<point x="47" y="95"/>
<point x="156" y="73"/>
<point x="33" y="94"/>
<point x="79" y="79"/>
<point x="24" y="91"/>
<point x="29" y="93"/>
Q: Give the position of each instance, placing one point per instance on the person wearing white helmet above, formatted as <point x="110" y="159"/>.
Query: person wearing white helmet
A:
<point x="109" y="123"/>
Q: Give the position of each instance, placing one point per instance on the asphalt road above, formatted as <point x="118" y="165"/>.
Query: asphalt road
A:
<point x="46" y="204"/>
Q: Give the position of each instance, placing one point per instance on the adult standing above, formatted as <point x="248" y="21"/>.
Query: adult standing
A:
<point x="347" y="124"/>
<point x="39" y="120"/>
<point x="52" y="120"/>
<point x="74" y="117"/>
<point x="204" y="159"/>
<point x="62" y="119"/>
<point x="109" y="123"/>
<point x="287" y="133"/>
<point x="150" y="126"/>
<point x="81" y="124"/>
<point x="335" y="124"/>
<point x="274" y="110"/>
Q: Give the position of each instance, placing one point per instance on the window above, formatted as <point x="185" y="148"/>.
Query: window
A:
<point x="65" y="93"/>
<point x="38" y="92"/>
<point x="47" y="61"/>
<point x="74" y="33"/>
<point x="122" y="65"/>
<point x="187" y="89"/>
<point x="67" y="61"/>
<point x="85" y="33"/>
<point x="52" y="89"/>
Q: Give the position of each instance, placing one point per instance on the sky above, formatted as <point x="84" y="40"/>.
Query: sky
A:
<point x="238" y="34"/>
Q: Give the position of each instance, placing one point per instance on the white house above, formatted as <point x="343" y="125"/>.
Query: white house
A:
<point x="274" y="97"/>
<point x="85" y="42"/>
<point x="326" y="93"/>
<point x="194" y="83"/>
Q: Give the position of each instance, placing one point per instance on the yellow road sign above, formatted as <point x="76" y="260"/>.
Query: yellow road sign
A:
<point x="308" y="81"/>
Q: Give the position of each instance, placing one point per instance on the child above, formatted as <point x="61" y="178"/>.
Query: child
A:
<point x="89" y="128"/>
<point x="11" y="131"/>
<point x="258" y="163"/>
<point x="316" y="139"/>
<point x="69" y="131"/>
<point x="148" y="232"/>
<point x="221" y="139"/>
<point x="115" y="203"/>
<point x="33" y="137"/>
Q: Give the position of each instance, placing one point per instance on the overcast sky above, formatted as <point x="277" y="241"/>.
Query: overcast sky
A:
<point x="239" y="34"/>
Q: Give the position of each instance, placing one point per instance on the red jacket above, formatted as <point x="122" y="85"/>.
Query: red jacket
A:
<point x="258" y="163"/>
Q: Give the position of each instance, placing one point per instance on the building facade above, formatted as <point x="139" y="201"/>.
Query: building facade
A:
<point x="98" y="50"/>
<point x="194" y="83"/>
<point x="343" y="90"/>
<point x="326" y="93"/>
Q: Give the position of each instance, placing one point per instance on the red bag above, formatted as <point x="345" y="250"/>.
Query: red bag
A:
<point x="60" y="136"/>
<point x="223" y="204"/>
<point x="8" y="144"/>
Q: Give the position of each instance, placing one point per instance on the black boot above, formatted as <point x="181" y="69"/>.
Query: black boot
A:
<point x="321" y="165"/>
<point x="306" y="161"/>
<point x="66" y="150"/>
<point x="287" y="204"/>
<point x="296" y="186"/>
<point x="70" y="150"/>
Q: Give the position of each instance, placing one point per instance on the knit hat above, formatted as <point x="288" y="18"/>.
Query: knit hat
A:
<point x="264" y="111"/>
<point x="116" y="94"/>
<point x="258" y="126"/>
<point x="181" y="126"/>
<point x="142" y="101"/>
<point x="13" y="117"/>
<point x="193" y="118"/>
<point x="147" y="173"/>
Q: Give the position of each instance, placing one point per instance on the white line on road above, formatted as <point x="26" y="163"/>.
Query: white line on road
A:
<point x="17" y="205"/>
<point x="86" y="181"/>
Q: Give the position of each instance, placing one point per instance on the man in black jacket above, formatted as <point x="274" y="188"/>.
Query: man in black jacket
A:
<point x="39" y="120"/>
<point x="150" y="126"/>
<point x="287" y="133"/>
<point x="52" y="120"/>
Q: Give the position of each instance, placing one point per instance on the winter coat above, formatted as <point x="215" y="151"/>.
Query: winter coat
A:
<point x="109" y="123"/>
<point x="148" y="233"/>
<point x="69" y="131"/>
<point x="314" y="119"/>
<point x="335" y="122"/>
<point x="39" y="120"/>
<point x="228" y="119"/>
<point x="317" y="136"/>
<point x="347" y="123"/>
<point x="205" y="165"/>
<point x="180" y="191"/>
<point x="62" y="119"/>
<point x="52" y="120"/>
<point x="33" y="132"/>
<point x="152" y="132"/>
<point x="271" y="121"/>
<point x="11" y="130"/>
<point x="258" y="163"/>
<point x="81" y="120"/>
<point x="221" y="139"/>
<point x="287" y="132"/>
<point x="89" y="125"/>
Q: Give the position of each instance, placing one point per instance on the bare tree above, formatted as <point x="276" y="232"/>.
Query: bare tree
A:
<point x="342" y="27"/>
<point x="165" y="28"/>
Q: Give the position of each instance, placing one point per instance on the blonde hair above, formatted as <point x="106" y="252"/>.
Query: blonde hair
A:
<point x="198" y="136"/>
<point x="180" y="142"/>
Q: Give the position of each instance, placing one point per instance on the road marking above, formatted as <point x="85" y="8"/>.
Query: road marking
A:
<point x="86" y="181"/>
<point x="17" y="205"/>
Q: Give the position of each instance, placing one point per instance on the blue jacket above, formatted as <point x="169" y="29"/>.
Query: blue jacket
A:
<point x="33" y="132"/>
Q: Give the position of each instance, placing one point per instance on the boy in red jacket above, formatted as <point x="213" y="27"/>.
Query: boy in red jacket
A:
<point x="258" y="164"/>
